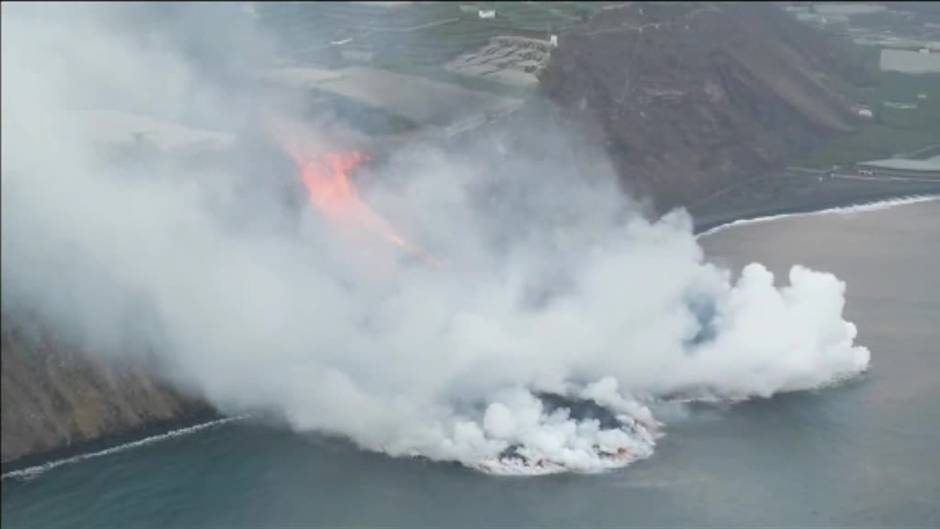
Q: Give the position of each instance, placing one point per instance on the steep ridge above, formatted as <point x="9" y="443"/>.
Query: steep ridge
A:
<point x="57" y="398"/>
<point x="690" y="98"/>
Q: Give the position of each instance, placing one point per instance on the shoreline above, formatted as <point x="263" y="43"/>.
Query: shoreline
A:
<point x="204" y="416"/>
<point x="860" y="206"/>
<point x="24" y="466"/>
<point x="799" y="194"/>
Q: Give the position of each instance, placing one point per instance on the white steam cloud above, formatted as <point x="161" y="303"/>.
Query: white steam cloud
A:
<point x="558" y="315"/>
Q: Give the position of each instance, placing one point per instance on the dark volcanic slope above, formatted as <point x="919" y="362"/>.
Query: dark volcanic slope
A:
<point x="56" y="399"/>
<point x="690" y="98"/>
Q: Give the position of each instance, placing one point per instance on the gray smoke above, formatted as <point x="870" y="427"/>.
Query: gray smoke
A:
<point x="216" y="276"/>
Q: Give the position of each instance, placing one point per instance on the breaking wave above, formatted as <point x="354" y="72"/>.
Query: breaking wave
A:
<point x="856" y="208"/>
<point x="34" y="471"/>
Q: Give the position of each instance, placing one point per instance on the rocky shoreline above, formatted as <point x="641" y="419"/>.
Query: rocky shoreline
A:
<point x="799" y="193"/>
<point x="199" y="414"/>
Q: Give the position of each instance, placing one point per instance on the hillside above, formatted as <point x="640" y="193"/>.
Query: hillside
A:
<point x="691" y="98"/>
<point x="409" y="34"/>
<point x="58" y="400"/>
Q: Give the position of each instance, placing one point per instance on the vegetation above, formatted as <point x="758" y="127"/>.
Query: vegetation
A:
<point x="472" y="83"/>
<point x="416" y="39"/>
<point x="893" y="131"/>
<point x="428" y="34"/>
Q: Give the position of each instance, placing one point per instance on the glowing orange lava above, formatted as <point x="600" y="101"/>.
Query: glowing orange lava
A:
<point x="326" y="178"/>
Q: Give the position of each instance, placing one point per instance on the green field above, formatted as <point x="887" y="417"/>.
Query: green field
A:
<point x="427" y="34"/>
<point x="892" y="131"/>
<point x="465" y="81"/>
<point x="416" y="39"/>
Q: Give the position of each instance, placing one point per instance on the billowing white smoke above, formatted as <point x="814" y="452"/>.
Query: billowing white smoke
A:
<point x="553" y="284"/>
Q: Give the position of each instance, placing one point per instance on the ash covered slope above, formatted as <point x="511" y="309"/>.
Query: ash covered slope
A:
<point x="690" y="98"/>
<point x="55" y="397"/>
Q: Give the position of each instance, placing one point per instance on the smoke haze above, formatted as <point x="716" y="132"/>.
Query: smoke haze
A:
<point x="223" y="279"/>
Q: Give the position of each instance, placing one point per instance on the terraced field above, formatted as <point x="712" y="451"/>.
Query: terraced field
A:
<point x="894" y="129"/>
<point x="425" y="34"/>
<point x="343" y="48"/>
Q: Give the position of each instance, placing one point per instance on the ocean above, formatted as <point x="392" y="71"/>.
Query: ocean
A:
<point x="862" y="454"/>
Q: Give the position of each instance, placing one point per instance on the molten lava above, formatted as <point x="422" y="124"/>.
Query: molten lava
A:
<point x="327" y="181"/>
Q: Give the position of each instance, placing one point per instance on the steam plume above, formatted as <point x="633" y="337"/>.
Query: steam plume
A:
<point x="554" y="283"/>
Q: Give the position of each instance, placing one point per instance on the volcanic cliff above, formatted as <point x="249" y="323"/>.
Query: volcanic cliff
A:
<point x="58" y="399"/>
<point x="689" y="98"/>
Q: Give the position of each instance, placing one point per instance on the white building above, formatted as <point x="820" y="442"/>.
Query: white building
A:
<point x="487" y="13"/>
<point x="909" y="61"/>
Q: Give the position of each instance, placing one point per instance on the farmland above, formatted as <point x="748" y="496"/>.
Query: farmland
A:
<point x="893" y="130"/>
<point x="403" y="65"/>
<point x="905" y="107"/>
<point x="423" y="36"/>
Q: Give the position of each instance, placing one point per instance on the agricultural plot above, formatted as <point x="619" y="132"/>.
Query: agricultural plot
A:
<point x="413" y="98"/>
<point x="511" y="60"/>
<point x="906" y="112"/>
<point x="384" y="102"/>
<point x="112" y="127"/>
<point x="406" y="65"/>
<point x="419" y="34"/>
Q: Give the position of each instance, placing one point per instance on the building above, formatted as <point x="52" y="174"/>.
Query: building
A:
<point x="909" y="61"/>
<point x="899" y="105"/>
<point x="863" y="112"/>
<point x="926" y="166"/>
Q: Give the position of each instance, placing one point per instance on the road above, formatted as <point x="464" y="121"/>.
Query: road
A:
<point x="792" y="172"/>
<point x="881" y="175"/>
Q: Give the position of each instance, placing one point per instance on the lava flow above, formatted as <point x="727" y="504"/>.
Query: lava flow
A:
<point x="333" y="194"/>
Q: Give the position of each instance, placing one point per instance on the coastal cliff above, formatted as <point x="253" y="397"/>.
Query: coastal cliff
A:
<point x="58" y="400"/>
<point x="689" y="98"/>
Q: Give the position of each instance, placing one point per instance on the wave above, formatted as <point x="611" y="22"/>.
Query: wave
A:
<point x="33" y="471"/>
<point x="855" y="208"/>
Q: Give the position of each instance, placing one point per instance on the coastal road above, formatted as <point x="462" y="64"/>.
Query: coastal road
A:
<point x="796" y="172"/>
<point x="800" y="189"/>
<point x="882" y="175"/>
